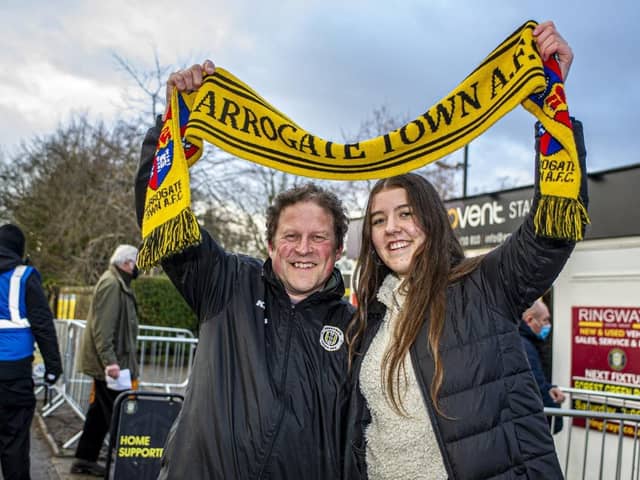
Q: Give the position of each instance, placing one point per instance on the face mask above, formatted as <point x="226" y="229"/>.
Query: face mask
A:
<point x="135" y="272"/>
<point x="544" y="333"/>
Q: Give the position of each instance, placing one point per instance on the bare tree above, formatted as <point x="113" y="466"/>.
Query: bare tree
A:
<point x="150" y="82"/>
<point x="72" y="193"/>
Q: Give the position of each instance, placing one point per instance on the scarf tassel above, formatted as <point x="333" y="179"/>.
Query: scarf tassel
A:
<point x="561" y="217"/>
<point x="173" y="236"/>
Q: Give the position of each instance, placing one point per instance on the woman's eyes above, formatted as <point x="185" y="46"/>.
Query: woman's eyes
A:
<point x="401" y="214"/>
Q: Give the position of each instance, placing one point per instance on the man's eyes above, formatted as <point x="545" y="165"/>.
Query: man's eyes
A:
<point x="292" y="237"/>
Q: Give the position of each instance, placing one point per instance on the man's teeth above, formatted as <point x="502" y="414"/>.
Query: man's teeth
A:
<point x="303" y="265"/>
<point x="396" y="245"/>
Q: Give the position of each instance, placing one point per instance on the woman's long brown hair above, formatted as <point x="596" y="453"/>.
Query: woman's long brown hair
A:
<point x="437" y="263"/>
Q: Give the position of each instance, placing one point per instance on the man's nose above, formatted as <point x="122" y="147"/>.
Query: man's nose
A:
<point x="304" y="246"/>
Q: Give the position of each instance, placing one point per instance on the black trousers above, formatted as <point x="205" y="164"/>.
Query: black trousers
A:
<point x="98" y="421"/>
<point x="15" y="425"/>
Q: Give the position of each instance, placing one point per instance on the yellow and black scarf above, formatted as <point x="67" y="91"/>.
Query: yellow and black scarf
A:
<point x="229" y="114"/>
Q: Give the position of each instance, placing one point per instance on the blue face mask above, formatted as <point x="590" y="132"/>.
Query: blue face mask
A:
<point x="544" y="333"/>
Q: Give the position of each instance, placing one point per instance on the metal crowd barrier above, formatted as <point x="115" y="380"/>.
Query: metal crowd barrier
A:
<point x="601" y="438"/>
<point x="165" y="360"/>
<point x="166" y="357"/>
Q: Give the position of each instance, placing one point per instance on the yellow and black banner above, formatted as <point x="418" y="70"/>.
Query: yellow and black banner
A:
<point x="229" y="114"/>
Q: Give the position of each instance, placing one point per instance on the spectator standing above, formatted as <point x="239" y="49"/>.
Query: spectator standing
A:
<point x="25" y="316"/>
<point x="534" y="331"/>
<point x="108" y="346"/>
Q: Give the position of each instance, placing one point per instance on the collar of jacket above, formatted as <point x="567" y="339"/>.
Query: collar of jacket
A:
<point x="123" y="279"/>
<point x="333" y="288"/>
<point x="526" y="332"/>
<point x="8" y="259"/>
<point x="391" y="293"/>
<point x="375" y="315"/>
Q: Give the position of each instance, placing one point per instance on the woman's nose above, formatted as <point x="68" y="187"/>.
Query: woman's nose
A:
<point x="391" y="226"/>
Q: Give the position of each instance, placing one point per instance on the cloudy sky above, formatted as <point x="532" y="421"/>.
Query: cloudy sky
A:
<point x="326" y="64"/>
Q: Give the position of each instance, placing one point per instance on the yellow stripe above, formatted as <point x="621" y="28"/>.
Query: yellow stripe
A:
<point x="590" y="324"/>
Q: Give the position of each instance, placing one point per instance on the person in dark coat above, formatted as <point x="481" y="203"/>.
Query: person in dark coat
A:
<point x="534" y="330"/>
<point x="25" y="317"/>
<point x="444" y="389"/>
<point x="109" y="345"/>
<point x="268" y="394"/>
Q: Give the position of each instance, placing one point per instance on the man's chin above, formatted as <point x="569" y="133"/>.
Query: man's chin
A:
<point x="303" y="290"/>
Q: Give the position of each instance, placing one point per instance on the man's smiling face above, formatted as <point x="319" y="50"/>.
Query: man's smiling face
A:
<point x="303" y="250"/>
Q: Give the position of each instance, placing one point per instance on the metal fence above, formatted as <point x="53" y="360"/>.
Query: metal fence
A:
<point x="165" y="359"/>
<point x="600" y="438"/>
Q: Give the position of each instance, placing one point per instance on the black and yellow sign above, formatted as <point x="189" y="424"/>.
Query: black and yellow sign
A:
<point x="144" y="420"/>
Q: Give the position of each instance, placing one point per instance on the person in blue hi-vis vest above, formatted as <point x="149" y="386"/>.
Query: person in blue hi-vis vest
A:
<point x="25" y="318"/>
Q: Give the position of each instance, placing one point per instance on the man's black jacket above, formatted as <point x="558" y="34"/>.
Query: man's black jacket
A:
<point x="268" y="392"/>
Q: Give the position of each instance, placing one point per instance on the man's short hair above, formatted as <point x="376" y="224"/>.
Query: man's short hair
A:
<point x="536" y="310"/>
<point x="123" y="253"/>
<point x="309" y="192"/>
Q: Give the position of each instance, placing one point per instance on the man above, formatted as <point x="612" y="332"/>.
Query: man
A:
<point x="108" y="347"/>
<point x="24" y="316"/>
<point x="534" y="331"/>
<point x="268" y="393"/>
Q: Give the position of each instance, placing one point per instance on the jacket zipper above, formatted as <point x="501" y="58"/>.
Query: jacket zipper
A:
<point x="426" y="398"/>
<point x="283" y="379"/>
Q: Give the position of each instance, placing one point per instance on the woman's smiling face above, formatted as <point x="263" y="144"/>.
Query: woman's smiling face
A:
<point x="395" y="234"/>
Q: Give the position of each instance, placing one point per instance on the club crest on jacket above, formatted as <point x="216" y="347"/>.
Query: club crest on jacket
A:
<point x="331" y="338"/>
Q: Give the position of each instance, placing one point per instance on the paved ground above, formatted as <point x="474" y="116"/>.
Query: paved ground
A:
<point x="49" y="461"/>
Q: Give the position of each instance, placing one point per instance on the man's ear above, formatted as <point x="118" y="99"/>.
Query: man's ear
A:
<point x="528" y="318"/>
<point x="270" y="249"/>
<point x="339" y="252"/>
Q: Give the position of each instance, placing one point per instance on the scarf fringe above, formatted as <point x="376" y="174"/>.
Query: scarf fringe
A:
<point x="171" y="237"/>
<point x="561" y="217"/>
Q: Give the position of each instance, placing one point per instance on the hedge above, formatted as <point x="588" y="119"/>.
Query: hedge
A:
<point x="159" y="303"/>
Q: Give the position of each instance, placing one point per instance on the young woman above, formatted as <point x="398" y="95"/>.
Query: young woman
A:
<point x="444" y="386"/>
